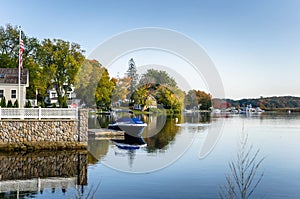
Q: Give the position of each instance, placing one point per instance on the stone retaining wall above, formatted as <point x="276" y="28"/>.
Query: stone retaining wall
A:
<point x="38" y="130"/>
<point x="83" y="125"/>
<point x="19" y="133"/>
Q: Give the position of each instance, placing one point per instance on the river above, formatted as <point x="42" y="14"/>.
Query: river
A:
<point x="186" y="156"/>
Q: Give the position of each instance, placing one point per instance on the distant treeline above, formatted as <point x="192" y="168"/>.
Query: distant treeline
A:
<point x="266" y="103"/>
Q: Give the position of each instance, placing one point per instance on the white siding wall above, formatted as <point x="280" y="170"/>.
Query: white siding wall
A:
<point x="7" y="93"/>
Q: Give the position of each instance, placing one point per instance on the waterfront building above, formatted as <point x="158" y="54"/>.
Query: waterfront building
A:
<point x="9" y="87"/>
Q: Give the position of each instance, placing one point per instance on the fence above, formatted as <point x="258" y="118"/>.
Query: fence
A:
<point x="39" y="113"/>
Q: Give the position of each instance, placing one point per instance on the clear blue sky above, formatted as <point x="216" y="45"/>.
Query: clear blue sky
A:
<point x="255" y="45"/>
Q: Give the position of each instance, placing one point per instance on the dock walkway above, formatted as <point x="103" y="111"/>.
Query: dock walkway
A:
<point x="106" y="134"/>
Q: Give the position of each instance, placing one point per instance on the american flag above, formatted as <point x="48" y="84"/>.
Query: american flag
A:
<point x="22" y="48"/>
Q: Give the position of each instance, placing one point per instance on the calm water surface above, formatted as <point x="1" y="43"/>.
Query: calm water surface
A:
<point x="169" y="166"/>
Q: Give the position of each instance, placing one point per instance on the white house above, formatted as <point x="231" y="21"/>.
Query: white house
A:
<point x="52" y="97"/>
<point x="9" y="88"/>
<point x="150" y="103"/>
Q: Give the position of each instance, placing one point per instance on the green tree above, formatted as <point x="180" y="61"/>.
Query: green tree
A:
<point x="28" y="104"/>
<point x="204" y="100"/>
<point x="64" y="103"/>
<point x="61" y="61"/>
<point x="198" y="99"/>
<point x="191" y="100"/>
<point x="168" y="98"/>
<point x="9" y="53"/>
<point x="121" y="89"/>
<point x="43" y="104"/>
<point x="158" y="77"/>
<point x="104" y="90"/>
<point x="9" y="46"/>
<point x="140" y="95"/>
<point x="164" y="89"/>
<point x="87" y="80"/>
<point x="180" y="95"/>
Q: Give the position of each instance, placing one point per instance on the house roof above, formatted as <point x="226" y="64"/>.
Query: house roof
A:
<point x="11" y="76"/>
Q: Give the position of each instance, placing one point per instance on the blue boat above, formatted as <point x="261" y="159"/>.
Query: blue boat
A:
<point x="130" y="125"/>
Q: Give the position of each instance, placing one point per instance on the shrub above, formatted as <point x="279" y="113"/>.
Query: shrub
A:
<point x="9" y="104"/>
<point x="3" y="102"/>
<point x="64" y="103"/>
<point x="42" y="104"/>
<point x="28" y="104"/>
<point x="16" y="104"/>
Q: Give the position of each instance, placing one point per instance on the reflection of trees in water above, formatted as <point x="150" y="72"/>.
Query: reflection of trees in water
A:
<point x="97" y="150"/>
<point x="104" y="120"/>
<point x="244" y="179"/>
<point x="169" y="130"/>
<point x="197" y="117"/>
<point x="164" y="137"/>
<point x="99" y="121"/>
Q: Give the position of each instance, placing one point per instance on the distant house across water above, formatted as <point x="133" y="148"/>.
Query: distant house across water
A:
<point x="9" y="88"/>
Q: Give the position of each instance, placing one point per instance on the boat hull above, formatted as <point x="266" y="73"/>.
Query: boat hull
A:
<point x="131" y="129"/>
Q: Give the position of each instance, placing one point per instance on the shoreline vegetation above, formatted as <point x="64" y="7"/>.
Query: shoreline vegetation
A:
<point x="279" y="110"/>
<point x="228" y="105"/>
<point x="275" y="103"/>
<point x="147" y="112"/>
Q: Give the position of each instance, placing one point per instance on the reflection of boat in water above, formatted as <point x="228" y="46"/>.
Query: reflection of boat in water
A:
<point x="130" y="125"/>
<point x="130" y="142"/>
<point x="129" y="147"/>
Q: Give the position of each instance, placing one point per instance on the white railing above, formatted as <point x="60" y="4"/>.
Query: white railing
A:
<point x="39" y="113"/>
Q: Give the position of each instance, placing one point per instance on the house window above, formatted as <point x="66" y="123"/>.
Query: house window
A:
<point x="1" y="93"/>
<point x="13" y="94"/>
<point x="53" y="95"/>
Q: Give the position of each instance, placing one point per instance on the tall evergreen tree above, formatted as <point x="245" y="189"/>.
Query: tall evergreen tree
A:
<point x="132" y="74"/>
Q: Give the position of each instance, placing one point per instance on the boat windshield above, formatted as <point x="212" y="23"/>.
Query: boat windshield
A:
<point x="129" y="120"/>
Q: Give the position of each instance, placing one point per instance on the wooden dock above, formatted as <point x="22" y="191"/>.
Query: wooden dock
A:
<point x="106" y="134"/>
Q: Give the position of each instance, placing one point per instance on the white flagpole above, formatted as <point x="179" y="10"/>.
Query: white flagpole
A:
<point x="19" y="82"/>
